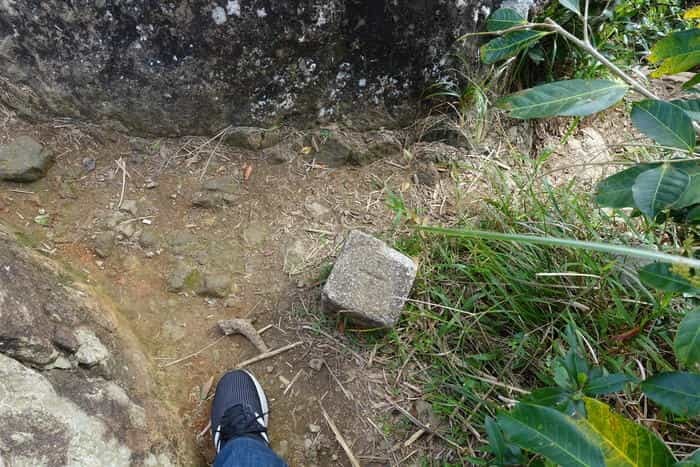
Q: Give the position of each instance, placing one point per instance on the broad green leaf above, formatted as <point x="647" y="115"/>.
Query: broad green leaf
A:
<point x="692" y="460"/>
<point x="665" y="123"/>
<point x="677" y="52"/>
<point x="572" y="5"/>
<point x="624" y="443"/>
<point x="693" y="215"/>
<point x="689" y="106"/>
<point x="658" y="189"/>
<point x="692" y="193"/>
<point x="692" y="81"/>
<point x="504" y="18"/>
<point x="678" y="392"/>
<point x="509" y="45"/>
<point x="677" y="64"/>
<point x="674" y="44"/>
<point x="504" y="452"/>
<point x="572" y="98"/>
<point x="687" y="342"/>
<point x="660" y="276"/>
<point x="692" y="13"/>
<point x="551" y="434"/>
<point x="606" y="384"/>
<point x="616" y="190"/>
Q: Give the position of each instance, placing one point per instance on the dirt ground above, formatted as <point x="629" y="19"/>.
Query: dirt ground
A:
<point x="276" y="237"/>
<point x="276" y="240"/>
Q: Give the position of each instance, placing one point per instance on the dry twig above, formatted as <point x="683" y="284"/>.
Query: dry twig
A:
<point x="340" y="439"/>
<point x="269" y="354"/>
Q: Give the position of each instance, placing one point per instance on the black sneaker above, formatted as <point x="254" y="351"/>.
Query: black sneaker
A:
<point x="239" y="409"/>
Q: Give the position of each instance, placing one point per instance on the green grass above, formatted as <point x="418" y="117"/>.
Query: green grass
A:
<point x="497" y="311"/>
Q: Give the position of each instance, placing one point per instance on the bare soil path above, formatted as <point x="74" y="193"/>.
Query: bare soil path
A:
<point x="273" y="239"/>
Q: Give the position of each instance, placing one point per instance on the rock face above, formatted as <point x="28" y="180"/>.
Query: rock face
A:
<point x="369" y="282"/>
<point x="197" y="66"/>
<point x="24" y="160"/>
<point x="74" y="391"/>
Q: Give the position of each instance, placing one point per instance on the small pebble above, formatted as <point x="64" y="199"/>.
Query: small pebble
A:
<point x="283" y="449"/>
<point x="316" y="363"/>
<point x="150" y="184"/>
<point x="270" y="369"/>
<point x="89" y="164"/>
<point x="314" y="428"/>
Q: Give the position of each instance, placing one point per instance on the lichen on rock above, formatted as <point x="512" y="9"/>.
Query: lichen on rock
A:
<point x="198" y="66"/>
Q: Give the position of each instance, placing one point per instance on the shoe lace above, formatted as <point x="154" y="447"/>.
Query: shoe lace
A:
<point x="239" y="420"/>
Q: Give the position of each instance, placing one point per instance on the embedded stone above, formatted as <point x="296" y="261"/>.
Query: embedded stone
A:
<point x="370" y="282"/>
<point x="24" y="160"/>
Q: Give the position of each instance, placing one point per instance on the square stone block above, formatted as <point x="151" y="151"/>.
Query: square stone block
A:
<point x="370" y="282"/>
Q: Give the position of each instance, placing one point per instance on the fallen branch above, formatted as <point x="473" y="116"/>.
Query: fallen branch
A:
<point x="340" y="439"/>
<point x="269" y="354"/>
<point x="245" y="328"/>
<point x="122" y="166"/>
<point x="187" y="357"/>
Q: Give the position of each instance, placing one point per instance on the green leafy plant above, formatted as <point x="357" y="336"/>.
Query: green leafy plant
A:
<point x="564" y="424"/>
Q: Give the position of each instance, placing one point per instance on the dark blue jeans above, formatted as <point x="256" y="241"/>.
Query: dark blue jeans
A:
<point x="247" y="452"/>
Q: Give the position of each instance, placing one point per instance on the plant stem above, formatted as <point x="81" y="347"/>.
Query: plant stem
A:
<point x="585" y="23"/>
<point x="554" y="26"/>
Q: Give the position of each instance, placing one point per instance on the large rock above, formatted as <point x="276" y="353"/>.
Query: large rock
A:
<point x="369" y="282"/>
<point x="75" y="388"/>
<point x="197" y="66"/>
<point x="24" y="160"/>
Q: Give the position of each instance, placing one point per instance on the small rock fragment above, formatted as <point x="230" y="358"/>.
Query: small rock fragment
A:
<point x="252" y="137"/>
<point x="126" y="229"/>
<point x="283" y="448"/>
<point x="317" y="210"/>
<point x="314" y="428"/>
<point x="212" y="199"/>
<point x="316" y="364"/>
<point x="24" y="160"/>
<point x="427" y="174"/>
<point x="64" y="339"/>
<point x="104" y="244"/>
<point x="280" y="154"/>
<point x="129" y="205"/>
<point x="89" y="164"/>
<point x="216" y="285"/>
<point x="183" y="277"/>
<point x="91" y="351"/>
<point x="148" y="240"/>
<point x="222" y="185"/>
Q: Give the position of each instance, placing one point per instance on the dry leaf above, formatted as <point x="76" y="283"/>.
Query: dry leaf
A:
<point x="247" y="171"/>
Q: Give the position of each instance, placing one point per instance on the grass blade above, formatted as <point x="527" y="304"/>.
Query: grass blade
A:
<point x="567" y="243"/>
